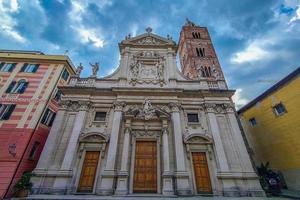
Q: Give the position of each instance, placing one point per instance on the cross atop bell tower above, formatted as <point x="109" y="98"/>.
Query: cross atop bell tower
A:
<point x="197" y="55"/>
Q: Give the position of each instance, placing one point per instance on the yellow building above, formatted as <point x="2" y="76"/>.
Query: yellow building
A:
<point x="271" y="124"/>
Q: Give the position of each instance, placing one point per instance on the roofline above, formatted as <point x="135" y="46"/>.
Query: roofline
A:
<point x="279" y="84"/>
<point x="21" y="51"/>
<point x="36" y="56"/>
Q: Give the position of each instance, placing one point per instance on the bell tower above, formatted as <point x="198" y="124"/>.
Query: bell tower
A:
<point x="197" y="55"/>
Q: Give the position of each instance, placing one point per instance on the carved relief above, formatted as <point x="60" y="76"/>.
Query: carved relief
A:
<point x="148" y="41"/>
<point x="147" y="67"/>
<point x="74" y="106"/>
<point x="147" y="111"/>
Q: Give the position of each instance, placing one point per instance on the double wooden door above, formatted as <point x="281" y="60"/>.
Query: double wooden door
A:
<point x="88" y="171"/>
<point x="145" y="167"/>
<point x="201" y="172"/>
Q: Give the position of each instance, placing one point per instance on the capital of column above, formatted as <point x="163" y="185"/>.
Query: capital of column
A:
<point x="64" y="104"/>
<point x="165" y="131"/>
<point x="219" y="108"/>
<point x="84" y="105"/>
<point x="119" y="105"/>
<point x="175" y="107"/>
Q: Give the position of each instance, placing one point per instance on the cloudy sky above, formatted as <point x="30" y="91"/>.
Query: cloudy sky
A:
<point x="257" y="41"/>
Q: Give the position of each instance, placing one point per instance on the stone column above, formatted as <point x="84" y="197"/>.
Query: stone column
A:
<point x="221" y="156"/>
<point x="109" y="173"/>
<point x="253" y="186"/>
<point x="51" y="141"/>
<point x="122" y="185"/>
<point x="167" y="175"/>
<point x="239" y="141"/>
<point x="182" y="179"/>
<point x="70" y="152"/>
<point x="48" y="151"/>
<point x="229" y="188"/>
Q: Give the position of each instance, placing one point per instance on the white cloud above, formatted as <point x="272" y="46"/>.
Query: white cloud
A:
<point x="86" y="34"/>
<point x="90" y="36"/>
<point x="296" y="17"/>
<point x="133" y="29"/>
<point x="238" y="99"/>
<point x="255" y="51"/>
<point x="7" y="22"/>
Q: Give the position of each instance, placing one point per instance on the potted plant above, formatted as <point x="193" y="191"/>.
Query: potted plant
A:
<point x="23" y="186"/>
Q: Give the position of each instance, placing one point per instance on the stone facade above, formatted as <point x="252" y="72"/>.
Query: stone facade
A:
<point x="146" y="99"/>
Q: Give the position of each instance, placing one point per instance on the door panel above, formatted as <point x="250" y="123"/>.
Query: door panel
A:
<point x="201" y="172"/>
<point x="145" y="167"/>
<point x="88" y="171"/>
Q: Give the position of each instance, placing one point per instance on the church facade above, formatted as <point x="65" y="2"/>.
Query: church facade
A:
<point x="149" y="128"/>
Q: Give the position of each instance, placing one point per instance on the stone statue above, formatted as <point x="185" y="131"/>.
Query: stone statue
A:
<point x="79" y="69"/>
<point x="160" y="69"/>
<point x="95" y="68"/>
<point x="147" y="111"/>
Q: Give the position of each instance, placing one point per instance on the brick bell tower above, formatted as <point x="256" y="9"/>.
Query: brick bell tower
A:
<point x="197" y="55"/>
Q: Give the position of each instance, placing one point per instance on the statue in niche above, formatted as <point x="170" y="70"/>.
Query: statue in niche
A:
<point x="79" y="69"/>
<point x="200" y="72"/>
<point x="160" y="69"/>
<point x="95" y="68"/>
<point x="134" y="67"/>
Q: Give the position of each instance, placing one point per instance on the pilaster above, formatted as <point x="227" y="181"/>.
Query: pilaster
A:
<point x="62" y="182"/>
<point x="183" y="186"/>
<point x="167" y="175"/>
<point x="122" y="184"/>
<point x="109" y="172"/>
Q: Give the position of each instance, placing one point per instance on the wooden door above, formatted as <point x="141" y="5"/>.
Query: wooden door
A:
<point x="88" y="171"/>
<point x="145" y="167"/>
<point x="201" y="172"/>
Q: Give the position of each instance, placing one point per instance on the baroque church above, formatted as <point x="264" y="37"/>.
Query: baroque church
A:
<point x="149" y="127"/>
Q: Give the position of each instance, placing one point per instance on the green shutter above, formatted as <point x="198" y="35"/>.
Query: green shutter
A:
<point x="13" y="67"/>
<point x="36" y="68"/>
<point x="7" y="115"/>
<point x="1" y="65"/>
<point x="10" y="87"/>
<point x="24" y="67"/>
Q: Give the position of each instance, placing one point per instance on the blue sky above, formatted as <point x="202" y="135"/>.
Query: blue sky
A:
<point x="257" y="41"/>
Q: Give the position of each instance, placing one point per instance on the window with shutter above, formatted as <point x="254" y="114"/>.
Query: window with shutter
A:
<point x="48" y="117"/>
<point x="6" y="111"/>
<point x="8" y="67"/>
<point x="19" y="87"/>
<point x="29" y="68"/>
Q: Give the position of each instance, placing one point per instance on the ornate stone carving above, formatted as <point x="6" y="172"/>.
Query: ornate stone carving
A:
<point x="147" y="67"/>
<point x="148" y="41"/>
<point x="219" y="108"/>
<point x="118" y="106"/>
<point x="147" y="111"/>
<point x="146" y="134"/>
<point x="95" y="69"/>
<point x="175" y="107"/>
<point x="84" y="105"/>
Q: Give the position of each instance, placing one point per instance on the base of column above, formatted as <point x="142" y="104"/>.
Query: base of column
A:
<point x="183" y="187"/>
<point x="122" y="183"/>
<point x="107" y="182"/>
<point x="167" y="179"/>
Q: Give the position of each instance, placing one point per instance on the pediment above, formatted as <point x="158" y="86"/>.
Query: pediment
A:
<point x="148" y="39"/>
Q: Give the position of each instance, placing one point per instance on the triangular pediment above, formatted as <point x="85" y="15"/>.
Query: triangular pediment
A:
<point x="148" y="39"/>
